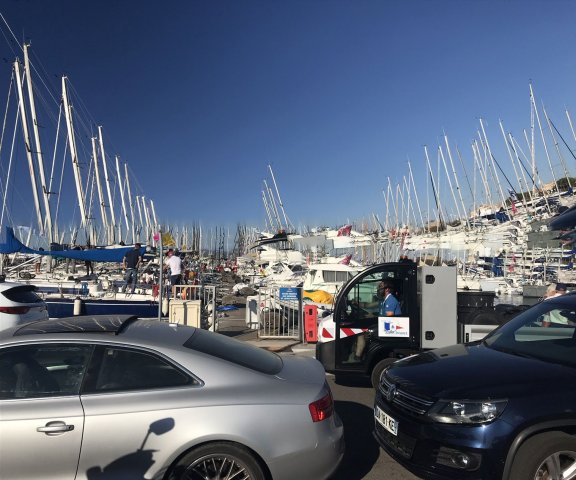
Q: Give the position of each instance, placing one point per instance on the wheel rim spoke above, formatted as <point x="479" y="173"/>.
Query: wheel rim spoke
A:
<point x="217" y="467"/>
<point x="559" y="466"/>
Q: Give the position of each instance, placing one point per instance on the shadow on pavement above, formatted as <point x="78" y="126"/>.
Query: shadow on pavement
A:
<point x="352" y="381"/>
<point x="362" y="451"/>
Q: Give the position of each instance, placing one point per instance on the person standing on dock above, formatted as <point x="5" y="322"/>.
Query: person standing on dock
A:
<point x="174" y="263"/>
<point x="130" y="263"/>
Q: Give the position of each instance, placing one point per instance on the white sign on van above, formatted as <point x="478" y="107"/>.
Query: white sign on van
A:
<point x="394" y="327"/>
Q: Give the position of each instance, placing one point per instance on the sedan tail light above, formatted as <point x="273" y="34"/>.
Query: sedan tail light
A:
<point x="322" y="409"/>
<point x="15" y="310"/>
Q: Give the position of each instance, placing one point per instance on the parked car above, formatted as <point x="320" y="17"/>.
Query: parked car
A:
<point x="500" y="408"/>
<point x="19" y="304"/>
<point x="119" y="397"/>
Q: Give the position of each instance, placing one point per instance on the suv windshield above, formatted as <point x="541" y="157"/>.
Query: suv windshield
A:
<point x="545" y="331"/>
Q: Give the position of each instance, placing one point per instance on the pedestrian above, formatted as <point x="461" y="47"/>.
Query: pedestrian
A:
<point x="88" y="263"/>
<point x="174" y="263"/>
<point x="130" y="263"/>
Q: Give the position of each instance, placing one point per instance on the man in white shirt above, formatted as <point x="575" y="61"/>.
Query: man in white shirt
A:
<point x="174" y="263"/>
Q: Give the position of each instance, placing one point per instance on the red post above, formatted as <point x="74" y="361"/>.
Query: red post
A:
<point x="311" y="323"/>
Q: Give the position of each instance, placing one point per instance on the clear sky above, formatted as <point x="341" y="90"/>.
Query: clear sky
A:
<point x="200" y="96"/>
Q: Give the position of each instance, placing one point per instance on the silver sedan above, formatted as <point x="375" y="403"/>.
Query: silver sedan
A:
<point x="122" y="398"/>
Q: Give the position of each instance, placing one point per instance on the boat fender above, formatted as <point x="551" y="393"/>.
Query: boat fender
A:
<point x="77" y="306"/>
<point x="165" y="306"/>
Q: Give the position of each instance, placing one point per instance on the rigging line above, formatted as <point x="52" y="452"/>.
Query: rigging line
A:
<point x="531" y="174"/>
<point x="6" y="111"/>
<point x="20" y="50"/>
<point x="501" y="171"/>
<point x="564" y="141"/>
<point x="10" y="166"/>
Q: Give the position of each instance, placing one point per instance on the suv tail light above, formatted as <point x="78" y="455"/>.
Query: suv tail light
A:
<point x="322" y="409"/>
<point x="15" y="310"/>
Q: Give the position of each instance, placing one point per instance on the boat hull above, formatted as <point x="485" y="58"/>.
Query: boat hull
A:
<point x="64" y="307"/>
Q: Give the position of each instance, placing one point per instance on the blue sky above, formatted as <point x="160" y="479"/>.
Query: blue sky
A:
<point x="200" y="96"/>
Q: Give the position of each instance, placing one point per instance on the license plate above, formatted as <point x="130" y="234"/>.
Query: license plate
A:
<point x="386" y="420"/>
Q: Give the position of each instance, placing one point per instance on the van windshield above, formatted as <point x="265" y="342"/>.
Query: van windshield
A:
<point x="545" y="331"/>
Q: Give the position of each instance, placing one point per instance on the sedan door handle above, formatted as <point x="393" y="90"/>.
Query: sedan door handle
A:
<point x="55" y="427"/>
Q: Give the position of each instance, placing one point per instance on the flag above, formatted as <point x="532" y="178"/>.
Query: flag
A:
<point x="344" y="231"/>
<point x="168" y="240"/>
<point x="513" y="195"/>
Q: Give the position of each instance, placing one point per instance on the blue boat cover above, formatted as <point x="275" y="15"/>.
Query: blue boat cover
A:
<point x="225" y="308"/>
<point x="10" y="244"/>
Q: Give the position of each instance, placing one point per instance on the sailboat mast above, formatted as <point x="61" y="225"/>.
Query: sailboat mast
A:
<point x="107" y="181"/>
<point x="456" y="180"/>
<point x="543" y="138"/>
<point x="130" y="201"/>
<point x="122" y="199"/>
<point x="99" y="186"/>
<point x="38" y="149"/>
<point x="25" y="131"/>
<point x="441" y="151"/>
<point x="557" y="147"/>
<point x="278" y="195"/>
<point x="74" y="153"/>
<point x="492" y="163"/>
<point x="570" y="123"/>
<point x="416" y="194"/>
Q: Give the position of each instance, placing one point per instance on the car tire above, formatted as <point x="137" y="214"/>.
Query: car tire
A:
<point x="218" y="461"/>
<point x="378" y="369"/>
<point x="550" y="450"/>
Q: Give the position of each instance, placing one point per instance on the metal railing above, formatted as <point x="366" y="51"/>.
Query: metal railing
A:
<point x="207" y="295"/>
<point x="280" y="312"/>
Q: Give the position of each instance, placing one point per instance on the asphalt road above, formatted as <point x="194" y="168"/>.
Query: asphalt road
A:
<point x="363" y="459"/>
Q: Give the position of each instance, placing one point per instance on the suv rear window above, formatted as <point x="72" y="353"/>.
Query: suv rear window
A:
<point x="22" y="294"/>
<point x="234" y="351"/>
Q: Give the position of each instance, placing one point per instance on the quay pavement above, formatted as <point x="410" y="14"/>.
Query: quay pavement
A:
<point x="232" y="323"/>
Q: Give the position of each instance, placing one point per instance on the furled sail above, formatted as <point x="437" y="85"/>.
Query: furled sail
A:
<point x="10" y="244"/>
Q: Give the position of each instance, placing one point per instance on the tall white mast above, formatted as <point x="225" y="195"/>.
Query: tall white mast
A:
<point x="416" y="194"/>
<point x="28" y="143"/>
<point x="99" y="187"/>
<point x="156" y="219"/>
<point x="146" y="216"/>
<point x="493" y="163"/>
<point x="267" y="208"/>
<point x="436" y="199"/>
<point x="73" y="153"/>
<point x="130" y="202"/>
<point x="557" y="147"/>
<point x="543" y="138"/>
<point x="278" y="195"/>
<point x="38" y="149"/>
<point x="122" y="199"/>
<point x="111" y="231"/>
<point x="139" y="213"/>
<point x="273" y="206"/>
<point x="460" y="216"/>
<point x="512" y="143"/>
<point x="570" y="123"/>
<point x="456" y="180"/>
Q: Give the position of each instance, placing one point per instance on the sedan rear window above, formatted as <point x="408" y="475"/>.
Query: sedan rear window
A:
<point x="22" y="294"/>
<point x="234" y="351"/>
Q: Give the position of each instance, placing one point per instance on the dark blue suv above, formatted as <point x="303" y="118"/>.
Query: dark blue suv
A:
<point x="501" y="408"/>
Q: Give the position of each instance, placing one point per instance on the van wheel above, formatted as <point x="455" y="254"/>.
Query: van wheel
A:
<point x="218" y="461"/>
<point x="548" y="455"/>
<point x="378" y="369"/>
